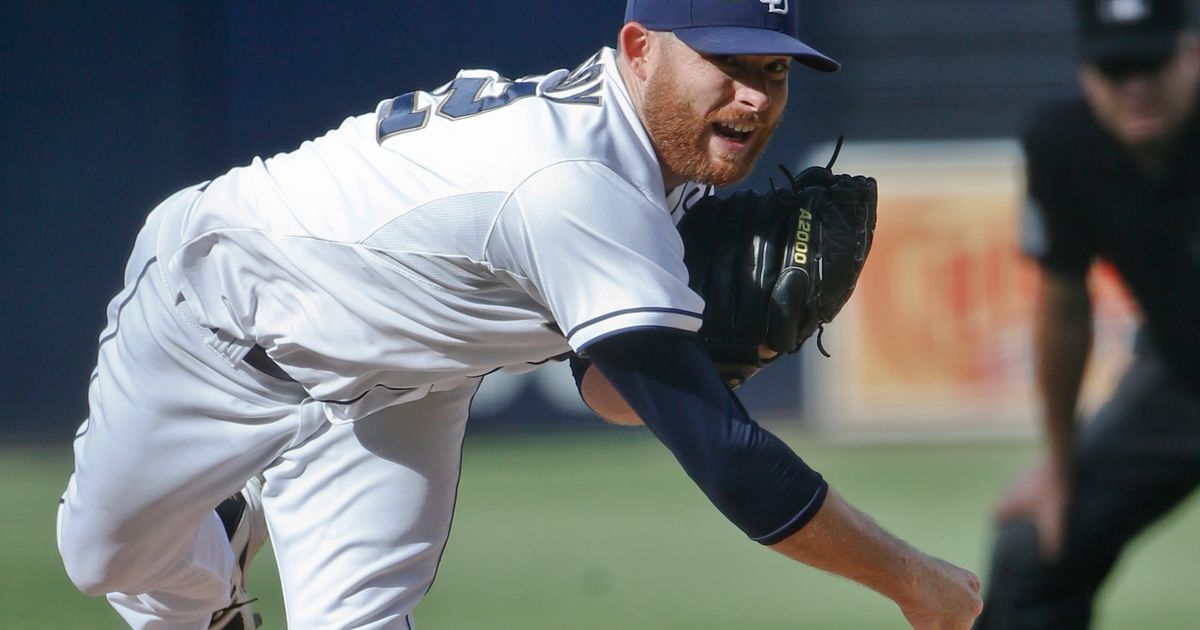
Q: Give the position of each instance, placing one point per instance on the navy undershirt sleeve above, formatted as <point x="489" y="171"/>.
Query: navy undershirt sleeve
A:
<point x="579" y="367"/>
<point x="750" y="475"/>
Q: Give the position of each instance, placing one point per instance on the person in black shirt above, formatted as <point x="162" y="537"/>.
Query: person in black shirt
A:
<point x="1114" y="175"/>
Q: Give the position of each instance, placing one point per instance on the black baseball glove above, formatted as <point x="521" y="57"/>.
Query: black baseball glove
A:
<point x="774" y="268"/>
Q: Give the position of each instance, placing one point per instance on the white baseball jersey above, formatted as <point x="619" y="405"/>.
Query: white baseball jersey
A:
<point x="486" y="224"/>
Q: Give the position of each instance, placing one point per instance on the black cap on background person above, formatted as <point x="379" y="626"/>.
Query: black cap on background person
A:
<point x="1123" y="36"/>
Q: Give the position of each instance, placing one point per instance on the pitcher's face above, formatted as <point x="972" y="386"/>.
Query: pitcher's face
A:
<point x="710" y="116"/>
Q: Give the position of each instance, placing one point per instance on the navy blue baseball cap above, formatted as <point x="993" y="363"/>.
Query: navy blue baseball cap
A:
<point x="732" y="27"/>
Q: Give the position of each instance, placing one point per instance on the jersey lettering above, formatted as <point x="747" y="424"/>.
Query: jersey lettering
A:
<point x="459" y="99"/>
<point x="400" y="115"/>
<point x="582" y="86"/>
<point x="462" y="98"/>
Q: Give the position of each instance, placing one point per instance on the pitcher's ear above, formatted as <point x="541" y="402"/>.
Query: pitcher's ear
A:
<point x="636" y="45"/>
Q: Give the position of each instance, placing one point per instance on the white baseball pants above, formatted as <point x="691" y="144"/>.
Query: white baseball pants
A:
<point x="358" y="513"/>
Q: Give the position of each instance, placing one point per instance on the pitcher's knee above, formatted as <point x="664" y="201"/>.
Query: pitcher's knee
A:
<point x="91" y="572"/>
<point x="94" y="563"/>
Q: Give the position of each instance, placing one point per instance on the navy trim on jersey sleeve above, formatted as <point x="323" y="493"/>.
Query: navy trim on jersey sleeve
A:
<point x="627" y="311"/>
<point x="750" y="475"/>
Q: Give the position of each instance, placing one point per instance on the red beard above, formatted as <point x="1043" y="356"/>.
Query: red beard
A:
<point x="681" y="136"/>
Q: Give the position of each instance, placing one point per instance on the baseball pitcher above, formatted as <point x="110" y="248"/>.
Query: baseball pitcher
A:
<point x="298" y="340"/>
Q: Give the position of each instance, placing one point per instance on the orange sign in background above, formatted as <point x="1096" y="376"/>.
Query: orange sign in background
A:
<point x="939" y="330"/>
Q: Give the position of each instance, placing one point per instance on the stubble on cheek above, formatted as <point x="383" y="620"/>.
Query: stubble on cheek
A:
<point x="683" y="137"/>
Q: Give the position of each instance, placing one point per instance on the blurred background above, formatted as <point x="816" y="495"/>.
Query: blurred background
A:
<point x="919" y="417"/>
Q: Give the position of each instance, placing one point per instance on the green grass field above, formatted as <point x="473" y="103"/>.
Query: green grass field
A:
<point x="605" y="531"/>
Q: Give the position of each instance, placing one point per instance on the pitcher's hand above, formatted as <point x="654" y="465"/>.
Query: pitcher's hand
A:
<point x="946" y="598"/>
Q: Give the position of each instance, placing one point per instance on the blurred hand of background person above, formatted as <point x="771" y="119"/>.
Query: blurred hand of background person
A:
<point x="1038" y="493"/>
<point x="1062" y="340"/>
